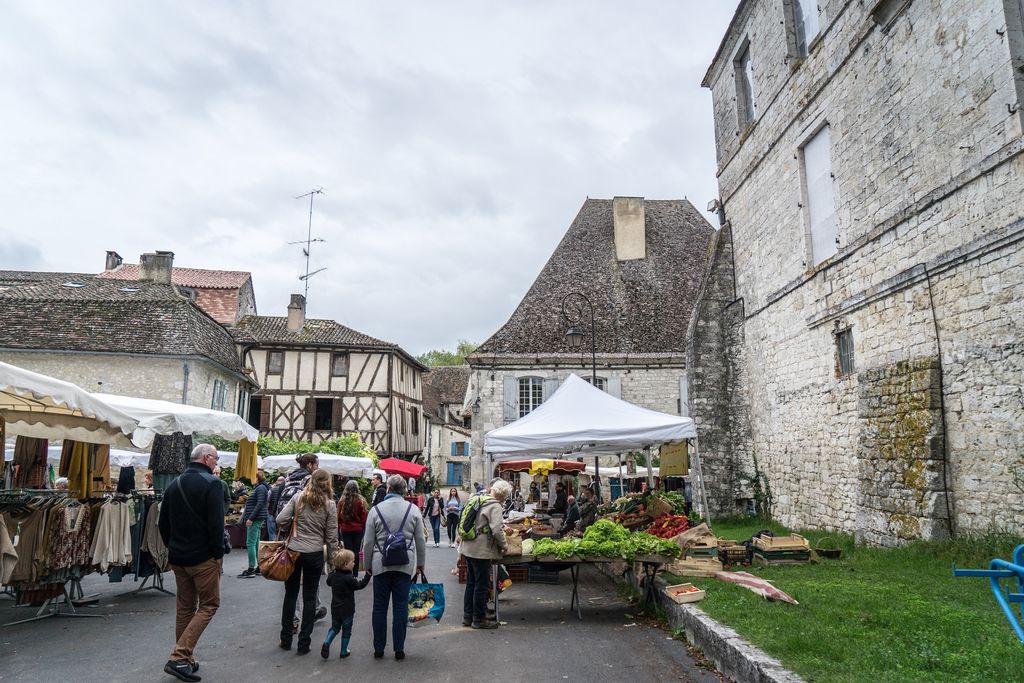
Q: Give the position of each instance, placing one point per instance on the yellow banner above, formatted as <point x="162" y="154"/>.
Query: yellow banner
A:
<point x="675" y="460"/>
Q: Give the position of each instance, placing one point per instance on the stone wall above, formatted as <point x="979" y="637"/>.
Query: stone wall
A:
<point x="929" y="187"/>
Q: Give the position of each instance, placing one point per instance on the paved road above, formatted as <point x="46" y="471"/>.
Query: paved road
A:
<point x="541" y="641"/>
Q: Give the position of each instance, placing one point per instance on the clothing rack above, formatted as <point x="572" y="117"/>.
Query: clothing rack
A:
<point x="157" y="583"/>
<point x="52" y="607"/>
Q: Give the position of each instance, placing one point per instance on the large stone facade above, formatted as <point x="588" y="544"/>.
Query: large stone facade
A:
<point x="925" y="128"/>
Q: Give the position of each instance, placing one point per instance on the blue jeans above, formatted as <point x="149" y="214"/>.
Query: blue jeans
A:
<point x="478" y="578"/>
<point x="393" y="587"/>
<point x="435" y="524"/>
<point x="271" y="528"/>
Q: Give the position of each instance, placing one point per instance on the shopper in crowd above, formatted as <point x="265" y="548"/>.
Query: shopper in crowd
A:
<point x="344" y="584"/>
<point x="572" y="516"/>
<point x="396" y="518"/>
<point x="297" y="479"/>
<point x="453" y="509"/>
<point x="587" y="509"/>
<point x="488" y="543"/>
<point x="352" y="509"/>
<point x="253" y="516"/>
<point x="434" y="511"/>
<point x="224" y="485"/>
<point x="534" y="492"/>
<point x="316" y="525"/>
<point x="275" y="494"/>
<point x="379" y="490"/>
<point x="561" y="501"/>
<point x="191" y="525"/>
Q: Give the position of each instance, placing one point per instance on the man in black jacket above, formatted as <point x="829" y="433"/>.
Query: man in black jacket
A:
<point x="379" y="490"/>
<point x="192" y="527"/>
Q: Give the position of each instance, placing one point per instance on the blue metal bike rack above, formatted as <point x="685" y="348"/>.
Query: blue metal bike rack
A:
<point x="1001" y="569"/>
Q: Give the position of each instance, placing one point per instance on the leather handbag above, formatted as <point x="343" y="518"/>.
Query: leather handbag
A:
<point x="275" y="560"/>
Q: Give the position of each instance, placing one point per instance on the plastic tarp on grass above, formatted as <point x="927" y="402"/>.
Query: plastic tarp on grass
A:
<point x="343" y="465"/>
<point x="166" y="418"/>
<point x="582" y="420"/>
<point x="48" y="408"/>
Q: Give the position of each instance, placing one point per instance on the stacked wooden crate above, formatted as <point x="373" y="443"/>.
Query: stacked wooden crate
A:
<point x="780" y="550"/>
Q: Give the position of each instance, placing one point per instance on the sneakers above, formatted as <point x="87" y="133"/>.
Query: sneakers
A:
<point x="182" y="671"/>
<point x="285" y="644"/>
<point x="378" y="655"/>
<point x="321" y="612"/>
<point x="485" y="624"/>
<point x="400" y="655"/>
<point x="467" y="621"/>
<point x="325" y="650"/>
<point x="248" y="573"/>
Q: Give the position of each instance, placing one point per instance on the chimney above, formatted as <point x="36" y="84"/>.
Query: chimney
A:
<point x="297" y="313"/>
<point x="630" y="234"/>
<point x="156" y="267"/>
<point x="113" y="260"/>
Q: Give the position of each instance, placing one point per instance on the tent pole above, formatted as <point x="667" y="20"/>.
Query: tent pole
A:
<point x="597" y="481"/>
<point x="650" y="469"/>
<point x="620" y="474"/>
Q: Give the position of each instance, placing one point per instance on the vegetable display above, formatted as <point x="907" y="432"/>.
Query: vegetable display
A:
<point x="604" y="538"/>
<point x="669" y="526"/>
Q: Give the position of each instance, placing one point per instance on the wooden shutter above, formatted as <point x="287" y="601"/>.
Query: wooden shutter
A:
<point x="550" y="386"/>
<point x="265" y="403"/>
<point x="336" y="415"/>
<point x="454" y="448"/>
<point x="615" y="387"/>
<point x="684" y="397"/>
<point x="309" y="415"/>
<point x="510" y="407"/>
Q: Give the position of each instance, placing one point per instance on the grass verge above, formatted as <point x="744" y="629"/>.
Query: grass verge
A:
<point x="876" y="614"/>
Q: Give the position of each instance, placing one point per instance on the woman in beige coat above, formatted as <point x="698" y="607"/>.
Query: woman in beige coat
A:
<point x="487" y="544"/>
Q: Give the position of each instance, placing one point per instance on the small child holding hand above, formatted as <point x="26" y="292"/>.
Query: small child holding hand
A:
<point x="343" y="585"/>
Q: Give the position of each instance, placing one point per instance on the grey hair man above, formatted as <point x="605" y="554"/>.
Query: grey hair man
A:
<point x="487" y="544"/>
<point x="192" y="526"/>
<point x="394" y="549"/>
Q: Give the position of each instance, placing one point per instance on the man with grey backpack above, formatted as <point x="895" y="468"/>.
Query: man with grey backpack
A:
<point x="482" y="540"/>
<point x="394" y="549"/>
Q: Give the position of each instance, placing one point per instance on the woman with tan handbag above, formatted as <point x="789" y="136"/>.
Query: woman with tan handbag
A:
<point x="313" y="520"/>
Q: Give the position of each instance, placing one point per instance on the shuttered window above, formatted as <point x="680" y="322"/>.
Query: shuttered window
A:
<point x="339" y="365"/>
<point x="531" y="394"/>
<point x="746" y="105"/>
<point x="821" y="204"/>
<point x="806" y="24"/>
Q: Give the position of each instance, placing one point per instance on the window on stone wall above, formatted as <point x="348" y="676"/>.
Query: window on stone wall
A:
<point x="215" y="401"/>
<point x="885" y="12"/>
<point x="805" y="24"/>
<point x="275" y="362"/>
<point x="531" y="394"/>
<point x="601" y="383"/>
<point x="819" y="198"/>
<point x="339" y="365"/>
<point x="1014" y="12"/>
<point x="844" y="352"/>
<point x="746" y="107"/>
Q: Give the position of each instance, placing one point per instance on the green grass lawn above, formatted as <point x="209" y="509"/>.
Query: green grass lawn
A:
<point x="876" y="614"/>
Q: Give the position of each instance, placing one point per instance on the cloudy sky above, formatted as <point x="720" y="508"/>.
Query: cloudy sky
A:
<point x="455" y="141"/>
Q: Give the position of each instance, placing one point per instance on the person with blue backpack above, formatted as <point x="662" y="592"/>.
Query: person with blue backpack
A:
<point x="394" y="549"/>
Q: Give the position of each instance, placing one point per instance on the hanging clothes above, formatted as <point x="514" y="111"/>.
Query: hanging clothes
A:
<point x="8" y="554"/>
<point x="170" y="454"/>
<point x="30" y="460"/>
<point x="100" y="478"/>
<point x="70" y="536"/>
<point x="80" y="470"/>
<point x="126" y="480"/>
<point x="152" y="542"/>
<point x="245" y="465"/>
<point x="112" y="541"/>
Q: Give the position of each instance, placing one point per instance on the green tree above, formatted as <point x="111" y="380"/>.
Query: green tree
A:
<point x="437" y="357"/>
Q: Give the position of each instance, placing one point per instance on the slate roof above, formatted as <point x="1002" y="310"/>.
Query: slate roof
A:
<point x="79" y="312"/>
<point x="186" y="277"/>
<point x="641" y="307"/>
<point x="270" y="330"/>
<point x="444" y="384"/>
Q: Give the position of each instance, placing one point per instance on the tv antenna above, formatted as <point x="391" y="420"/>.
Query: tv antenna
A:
<point x="308" y="242"/>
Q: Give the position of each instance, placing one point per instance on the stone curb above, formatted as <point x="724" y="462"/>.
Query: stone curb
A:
<point x="731" y="654"/>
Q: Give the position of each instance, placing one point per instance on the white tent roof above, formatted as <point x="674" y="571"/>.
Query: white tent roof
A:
<point x="164" y="417"/>
<point x="582" y="419"/>
<point x="613" y="472"/>
<point x="343" y="465"/>
<point x="230" y="459"/>
<point x="48" y="408"/>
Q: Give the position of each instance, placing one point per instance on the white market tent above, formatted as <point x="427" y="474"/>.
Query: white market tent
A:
<point x="166" y="418"/>
<point x="230" y="459"/>
<point x="343" y="465"/>
<point x="579" y="419"/>
<point x="44" y="407"/>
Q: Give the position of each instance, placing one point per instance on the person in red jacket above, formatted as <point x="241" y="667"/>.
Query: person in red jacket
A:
<point x="352" y="509"/>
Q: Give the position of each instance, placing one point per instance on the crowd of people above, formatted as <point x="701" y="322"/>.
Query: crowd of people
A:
<point x="388" y="531"/>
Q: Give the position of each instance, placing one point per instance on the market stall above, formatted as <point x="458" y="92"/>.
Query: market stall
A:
<point x="342" y="465"/>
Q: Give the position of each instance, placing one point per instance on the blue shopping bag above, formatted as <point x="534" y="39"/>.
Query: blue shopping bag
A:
<point x="426" y="602"/>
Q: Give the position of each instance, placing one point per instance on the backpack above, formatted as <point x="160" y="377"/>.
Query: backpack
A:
<point x="470" y="513"/>
<point x="291" y="487"/>
<point x="395" y="552"/>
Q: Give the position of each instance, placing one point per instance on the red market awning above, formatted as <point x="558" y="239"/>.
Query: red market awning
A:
<point x="557" y="466"/>
<point x="403" y="467"/>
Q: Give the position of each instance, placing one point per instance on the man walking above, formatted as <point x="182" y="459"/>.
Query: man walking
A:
<point x="393" y="529"/>
<point x="482" y="542"/>
<point x="192" y="526"/>
<point x="379" y="490"/>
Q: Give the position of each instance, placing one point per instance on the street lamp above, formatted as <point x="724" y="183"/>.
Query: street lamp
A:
<point x="575" y="339"/>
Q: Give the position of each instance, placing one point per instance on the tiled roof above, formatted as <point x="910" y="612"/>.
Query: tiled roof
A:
<point x="641" y="306"/>
<point x="221" y="304"/>
<point x="77" y="312"/>
<point x="186" y="277"/>
<point x="445" y="384"/>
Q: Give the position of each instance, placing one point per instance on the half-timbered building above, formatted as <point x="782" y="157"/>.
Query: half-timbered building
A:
<point x="449" y="432"/>
<point x="320" y="379"/>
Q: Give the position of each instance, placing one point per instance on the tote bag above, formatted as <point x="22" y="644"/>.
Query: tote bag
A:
<point x="275" y="560"/>
<point x="426" y="602"/>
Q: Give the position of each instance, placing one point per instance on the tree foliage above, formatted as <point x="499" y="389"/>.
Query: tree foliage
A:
<point x="439" y="357"/>
<point x="349" y="444"/>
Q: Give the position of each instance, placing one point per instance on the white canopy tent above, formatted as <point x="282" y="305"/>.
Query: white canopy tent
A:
<point x="164" y="417"/>
<point x="230" y="459"/>
<point x="343" y="465"/>
<point x="44" y="407"/>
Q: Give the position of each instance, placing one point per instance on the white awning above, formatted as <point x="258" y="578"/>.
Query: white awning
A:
<point x="166" y="418"/>
<point x="343" y="465"/>
<point x="580" y="419"/>
<point x="48" y="408"/>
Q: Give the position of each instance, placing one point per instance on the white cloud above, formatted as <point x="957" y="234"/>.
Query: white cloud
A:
<point x="455" y="141"/>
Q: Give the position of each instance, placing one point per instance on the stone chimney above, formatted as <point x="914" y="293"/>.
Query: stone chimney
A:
<point x="113" y="260"/>
<point x="156" y="267"/>
<point x="297" y="313"/>
<point x="630" y="233"/>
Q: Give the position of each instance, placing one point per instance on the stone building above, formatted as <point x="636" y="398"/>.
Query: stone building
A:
<point x="448" y="448"/>
<point x="856" y="359"/>
<point x="320" y="379"/>
<point x="640" y="262"/>
<point x="226" y="295"/>
<point x="133" y="338"/>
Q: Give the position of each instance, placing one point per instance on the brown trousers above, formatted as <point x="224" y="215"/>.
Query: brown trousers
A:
<point x="198" y="600"/>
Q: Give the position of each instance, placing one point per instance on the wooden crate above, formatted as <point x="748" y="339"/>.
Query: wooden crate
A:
<point x="696" y="566"/>
<point x="683" y="593"/>
<point x="518" y="574"/>
<point x="735" y="554"/>
<point x="791" y="542"/>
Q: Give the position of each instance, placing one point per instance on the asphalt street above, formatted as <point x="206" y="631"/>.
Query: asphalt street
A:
<point x="541" y="641"/>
